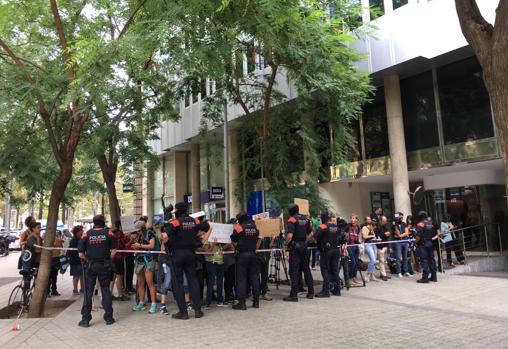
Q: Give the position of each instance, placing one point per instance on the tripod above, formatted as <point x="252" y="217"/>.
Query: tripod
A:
<point x="278" y="259"/>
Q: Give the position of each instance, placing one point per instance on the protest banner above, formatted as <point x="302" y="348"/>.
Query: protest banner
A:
<point x="269" y="227"/>
<point x="127" y="223"/>
<point x="303" y="204"/>
<point x="222" y="232"/>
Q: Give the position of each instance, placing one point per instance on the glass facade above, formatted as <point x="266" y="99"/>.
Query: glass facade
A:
<point x="419" y="112"/>
<point x="374" y="126"/>
<point x="399" y="3"/>
<point x="465" y="103"/>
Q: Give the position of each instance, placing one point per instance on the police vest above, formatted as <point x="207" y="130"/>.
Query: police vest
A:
<point x="98" y="245"/>
<point x="331" y="235"/>
<point x="185" y="233"/>
<point x="428" y="231"/>
<point x="248" y="236"/>
<point x="299" y="225"/>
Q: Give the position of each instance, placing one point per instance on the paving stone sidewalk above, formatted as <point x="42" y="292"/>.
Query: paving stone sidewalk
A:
<point x="458" y="312"/>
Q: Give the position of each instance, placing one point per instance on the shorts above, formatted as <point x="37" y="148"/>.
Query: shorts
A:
<point x="118" y="266"/>
<point x="141" y="266"/>
<point x="76" y="269"/>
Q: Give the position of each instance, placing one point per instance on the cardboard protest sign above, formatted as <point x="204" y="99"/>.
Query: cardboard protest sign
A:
<point x="303" y="205"/>
<point x="269" y="227"/>
<point x="127" y="223"/>
<point x="264" y="215"/>
<point x="222" y="232"/>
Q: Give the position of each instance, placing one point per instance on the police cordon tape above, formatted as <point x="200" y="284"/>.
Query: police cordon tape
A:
<point x="228" y="252"/>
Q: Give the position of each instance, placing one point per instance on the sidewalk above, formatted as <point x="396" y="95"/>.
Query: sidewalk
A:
<point x="458" y="312"/>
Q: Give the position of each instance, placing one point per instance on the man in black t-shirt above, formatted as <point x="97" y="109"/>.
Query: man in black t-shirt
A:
<point x="382" y="234"/>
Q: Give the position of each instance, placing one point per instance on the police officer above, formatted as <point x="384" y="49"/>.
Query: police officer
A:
<point x="426" y="233"/>
<point x="298" y="232"/>
<point x="183" y="240"/>
<point x="97" y="248"/>
<point x="246" y="239"/>
<point x="328" y="238"/>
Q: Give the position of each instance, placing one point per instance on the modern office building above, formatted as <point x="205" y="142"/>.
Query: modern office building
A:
<point x="430" y="124"/>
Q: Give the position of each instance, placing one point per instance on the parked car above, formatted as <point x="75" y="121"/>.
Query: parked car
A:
<point x="4" y="243"/>
<point x="14" y="238"/>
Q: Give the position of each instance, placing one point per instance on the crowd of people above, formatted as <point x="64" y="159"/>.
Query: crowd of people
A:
<point x="178" y="256"/>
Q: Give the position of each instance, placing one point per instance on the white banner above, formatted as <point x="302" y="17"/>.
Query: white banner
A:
<point x="222" y="232"/>
<point x="263" y="215"/>
<point x="127" y="223"/>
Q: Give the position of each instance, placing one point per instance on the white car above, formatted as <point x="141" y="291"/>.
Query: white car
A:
<point x="15" y="233"/>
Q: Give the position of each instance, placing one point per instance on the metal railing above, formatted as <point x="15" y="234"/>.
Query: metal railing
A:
<point x="478" y="239"/>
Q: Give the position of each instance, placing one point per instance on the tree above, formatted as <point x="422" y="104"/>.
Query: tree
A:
<point x="52" y="59"/>
<point x="303" y="40"/>
<point x="490" y="45"/>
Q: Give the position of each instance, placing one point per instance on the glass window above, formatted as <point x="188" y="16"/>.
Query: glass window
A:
<point x="465" y="103"/>
<point x="374" y="126"/>
<point x="377" y="8"/>
<point x="419" y="110"/>
<point x="399" y="3"/>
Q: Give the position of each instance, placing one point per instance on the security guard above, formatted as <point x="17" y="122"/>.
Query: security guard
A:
<point x="246" y="239"/>
<point x="425" y="234"/>
<point x="183" y="240"/>
<point x="328" y="240"/>
<point x="298" y="232"/>
<point x="97" y="248"/>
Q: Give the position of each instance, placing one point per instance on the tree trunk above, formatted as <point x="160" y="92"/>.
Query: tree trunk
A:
<point x="499" y="100"/>
<point x="41" y="207"/>
<point x="109" y="175"/>
<point x="41" y="283"/>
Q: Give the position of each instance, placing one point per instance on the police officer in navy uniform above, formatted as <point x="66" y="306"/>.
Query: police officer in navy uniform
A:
<point x="97" y="248"/>
<point x="246" y="239"/>
<point x="298" y="232"/>
<point x="328" y="237"/>
<point x="183" y="240"/>
<point x="426" y="233"/>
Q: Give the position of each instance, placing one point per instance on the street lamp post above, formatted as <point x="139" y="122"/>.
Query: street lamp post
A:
<point x="226" y="161"/>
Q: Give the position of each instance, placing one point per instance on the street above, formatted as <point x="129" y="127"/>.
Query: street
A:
<point x="457" y="312"/>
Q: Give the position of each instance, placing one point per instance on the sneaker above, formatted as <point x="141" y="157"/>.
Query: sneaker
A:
<point x="373" y="278"/>
<point x="310" y="295"/>
<point x="266" y="297"/>
<point x="190" y="307"/>
<point x="221" y="304"/>
<point x="139" y="307"/>
<point x="75" y="292"/>
<point x="164" y="310"/>
<point x="399" y="275"/>
<point x="198" y="314"/>
<point x="124" y="298"/>
<point x="408" y="275"/>
<point x="290" y="299"/>
<point x="110" y="321"/>
<point x="323" y="295"/>
<point x="384" y="278"/>
<point x="240" y="306"/>
<point x="153" y="308"/>
<point x="422" y="281"/>
<point x="208" y="305"/>
<point x="255" y="304"/>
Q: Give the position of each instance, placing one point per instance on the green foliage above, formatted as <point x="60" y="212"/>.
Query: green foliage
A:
<point x="307" y="41"/>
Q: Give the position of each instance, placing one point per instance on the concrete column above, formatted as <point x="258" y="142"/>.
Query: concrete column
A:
<point x="180" y="175"/>
<point x="195" y="178"/>
<point x="397" y="142"/>
<point x="234" y="173"/>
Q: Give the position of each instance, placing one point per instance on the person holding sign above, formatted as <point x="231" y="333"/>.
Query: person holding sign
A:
<point x="246" y="239"/>
<point x="298" y="232"/>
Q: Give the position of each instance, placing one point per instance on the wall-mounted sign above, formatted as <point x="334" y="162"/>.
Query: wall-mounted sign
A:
<point x="128" y="187"/>
<point x="217" y="193"/>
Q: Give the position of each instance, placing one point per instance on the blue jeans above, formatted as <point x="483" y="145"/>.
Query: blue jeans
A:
<point x="354" y="254"/>
<point x="167" y="279"/>
<point x="370" y="249"/>
<point x="401" y="248"/>
<point x="215" y="276"/>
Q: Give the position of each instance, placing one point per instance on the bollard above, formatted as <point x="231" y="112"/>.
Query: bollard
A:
<point x="486" y="240"/>
<point x="500" y="240"/>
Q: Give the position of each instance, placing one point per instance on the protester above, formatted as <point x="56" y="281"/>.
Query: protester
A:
<point x="413" y="250"/>
<point x="118" y="263"/>
<point x="264" y="266"/>
<point x="55" y="266"/>
<point x="214" y="263"/>
<point x="25" y="234"/>
<point x="401" y="234"/>
<point x="383" y="234"/>
<point x="144" y="267"/>
<point x="32" y="254"/>
<point x="368" y="237"/>
<point x="74" y="260"/>
<point x="353" y="232"/>
<point x="164" y="271"/>
<point x="451" y="242"/>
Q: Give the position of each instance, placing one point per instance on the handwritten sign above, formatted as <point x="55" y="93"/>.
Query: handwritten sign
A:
<point x="303" y="205"/>
<point x="127" y="223"/>
<point x="222" y="232"/>
<point x="269" y="227"/>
